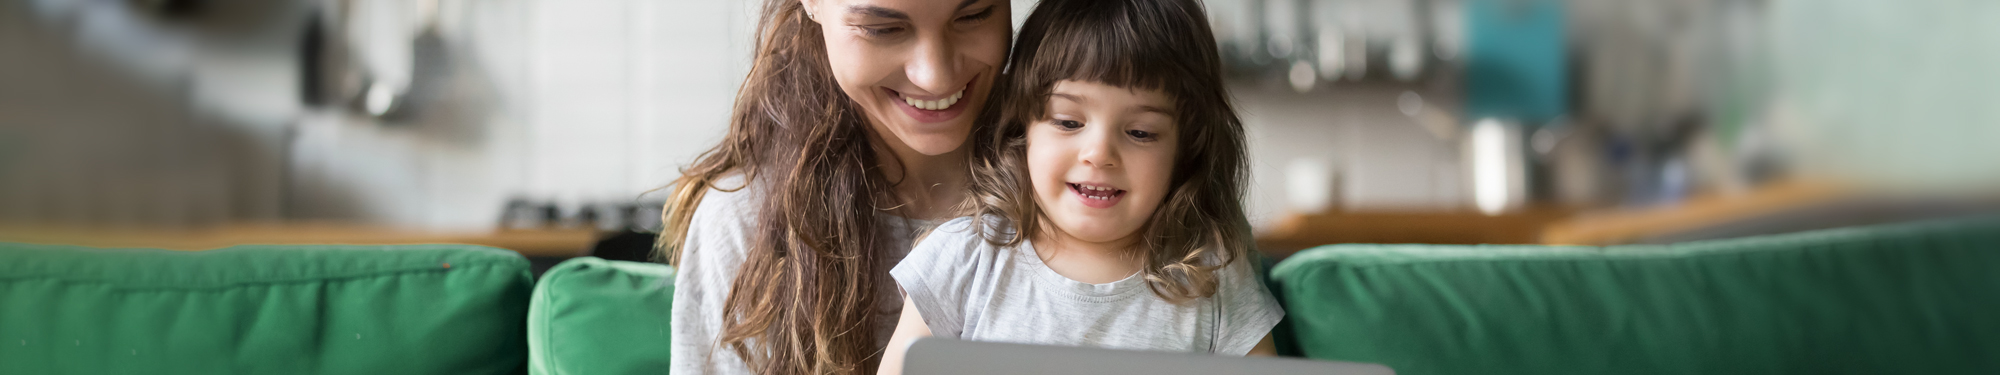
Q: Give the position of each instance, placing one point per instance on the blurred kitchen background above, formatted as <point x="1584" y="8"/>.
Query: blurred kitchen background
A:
<point x="546" y="126"/>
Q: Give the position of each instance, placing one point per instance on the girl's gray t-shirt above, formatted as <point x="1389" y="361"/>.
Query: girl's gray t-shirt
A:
<point x="967" y="288"/>
<point x="717" y="243"/>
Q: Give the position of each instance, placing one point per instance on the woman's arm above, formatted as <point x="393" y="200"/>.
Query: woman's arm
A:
<point x="909" y="328"/>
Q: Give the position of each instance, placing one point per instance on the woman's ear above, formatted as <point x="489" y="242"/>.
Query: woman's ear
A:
<point x="811" y="7"/>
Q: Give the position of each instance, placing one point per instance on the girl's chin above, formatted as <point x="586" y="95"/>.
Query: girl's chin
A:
<point x="1091" y="233"/>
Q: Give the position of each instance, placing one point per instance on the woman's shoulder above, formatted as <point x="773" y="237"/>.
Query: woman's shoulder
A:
<point x="720" y="229"/>
<point x="726" y="196"/>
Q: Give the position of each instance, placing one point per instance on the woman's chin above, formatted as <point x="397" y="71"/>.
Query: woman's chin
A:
<point x="934" y="145"/>
<point x="932" y="139"/>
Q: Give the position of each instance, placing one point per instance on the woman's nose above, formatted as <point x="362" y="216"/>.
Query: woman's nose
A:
<point x="934" y="66"/>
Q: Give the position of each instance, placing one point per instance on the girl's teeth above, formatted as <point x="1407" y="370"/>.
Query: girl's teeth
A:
<point x="1103" y="189"/>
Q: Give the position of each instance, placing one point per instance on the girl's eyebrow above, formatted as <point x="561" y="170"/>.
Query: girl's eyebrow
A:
<point x="1136" y="109"/>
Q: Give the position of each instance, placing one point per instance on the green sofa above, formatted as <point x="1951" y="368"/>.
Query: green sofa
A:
<point x="1908" y="298"/>
<point x="425" y="309"/>
<point x="1898" y="299"/>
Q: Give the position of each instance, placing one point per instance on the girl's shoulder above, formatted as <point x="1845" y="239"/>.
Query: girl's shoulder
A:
<point x="959" y="242"/>
<point x="967" y="232"/>
<point x="963" y="225"/>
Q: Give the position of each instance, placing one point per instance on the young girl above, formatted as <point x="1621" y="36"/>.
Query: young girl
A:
<point x="1107" y="197"/>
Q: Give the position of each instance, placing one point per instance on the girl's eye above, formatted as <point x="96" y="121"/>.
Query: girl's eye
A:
<point x="1068" y="124"/>
<point x="1142" y="134"/>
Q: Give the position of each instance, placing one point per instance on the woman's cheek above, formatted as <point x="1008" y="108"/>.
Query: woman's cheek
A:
<point x="857" y="67"/>
<point x="992" y="51"/>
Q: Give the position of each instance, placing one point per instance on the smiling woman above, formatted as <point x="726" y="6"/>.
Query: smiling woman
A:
<point x="844" y="143"/>
<point x="911" y="65"/>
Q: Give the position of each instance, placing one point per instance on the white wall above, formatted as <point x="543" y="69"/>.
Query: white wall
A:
<point x="112" y="116"/>
<point x="574" y="101"/>
<point x="594" y="101"/>
<point x="1895" y="93"/>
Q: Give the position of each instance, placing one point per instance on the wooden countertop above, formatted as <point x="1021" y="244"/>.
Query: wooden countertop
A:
<point x="1298" y="232"/>
<point x="1621" y="226"/>
<point x="1546" y="225"/>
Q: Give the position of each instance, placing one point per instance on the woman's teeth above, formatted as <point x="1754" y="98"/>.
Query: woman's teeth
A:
<point x="933" y="105"/>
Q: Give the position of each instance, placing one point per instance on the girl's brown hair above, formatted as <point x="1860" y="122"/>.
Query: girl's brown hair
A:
<point x="1161" y="45"/>
<point x="805" y="297"/>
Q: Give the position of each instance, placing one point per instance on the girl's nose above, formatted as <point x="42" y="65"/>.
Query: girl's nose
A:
<point x="1098" y="152"/>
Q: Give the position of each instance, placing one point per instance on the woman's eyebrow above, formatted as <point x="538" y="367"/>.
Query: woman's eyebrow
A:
<point x="1072" y="98"/>
<point x="878" y="11"/>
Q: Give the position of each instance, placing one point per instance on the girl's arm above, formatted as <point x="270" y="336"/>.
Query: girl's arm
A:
<point x="911" y="327"/>
<point x="1265" y="348"/>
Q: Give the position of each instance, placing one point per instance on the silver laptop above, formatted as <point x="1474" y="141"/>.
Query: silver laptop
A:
<point x="929" y="356"/>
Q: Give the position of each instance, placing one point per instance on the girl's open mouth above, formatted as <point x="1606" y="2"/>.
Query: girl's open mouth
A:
<point x="1097" y="196"/>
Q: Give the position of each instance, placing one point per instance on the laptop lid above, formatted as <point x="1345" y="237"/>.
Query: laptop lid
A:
<point x="930" y="355"/>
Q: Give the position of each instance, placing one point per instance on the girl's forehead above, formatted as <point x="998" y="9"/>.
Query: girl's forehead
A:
<point x="1101" y="94"/>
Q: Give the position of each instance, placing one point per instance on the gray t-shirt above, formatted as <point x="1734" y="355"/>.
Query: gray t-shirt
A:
<point x="717" y="242"/>
<point x="966" y="288"/>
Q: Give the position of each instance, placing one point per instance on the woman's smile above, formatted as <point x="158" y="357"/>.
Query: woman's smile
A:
<point x="933" y="109"/>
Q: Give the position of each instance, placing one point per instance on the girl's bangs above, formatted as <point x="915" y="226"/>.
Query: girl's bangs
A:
<point x="1100" y="44"/>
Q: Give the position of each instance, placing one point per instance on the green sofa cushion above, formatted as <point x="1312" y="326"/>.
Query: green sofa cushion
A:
<point x="423" y="309"/>
<point x="595" y="316"/>
<point x="1918" y="298"/>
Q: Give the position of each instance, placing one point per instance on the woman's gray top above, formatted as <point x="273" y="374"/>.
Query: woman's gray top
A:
<point x="717" y="242"/>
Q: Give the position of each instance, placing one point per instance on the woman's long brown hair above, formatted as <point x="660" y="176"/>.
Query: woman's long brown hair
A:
<point x="805" y="298"/>
<point x="1165" y="45"/>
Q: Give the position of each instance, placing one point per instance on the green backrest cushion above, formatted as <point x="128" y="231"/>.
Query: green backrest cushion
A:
<point x="1914" y="298"/>
<point x="416" y="309"/>
<point x="595" y="316"/>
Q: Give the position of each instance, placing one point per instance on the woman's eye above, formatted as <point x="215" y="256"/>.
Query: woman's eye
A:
<point x="1068" y="124"/>
<point x="1142" y="134"/>
<point x="879" y="31"/>
<point x="976" y="17"/>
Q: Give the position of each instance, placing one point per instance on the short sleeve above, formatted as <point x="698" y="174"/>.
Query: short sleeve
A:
<point x="940" y="275"/>
<point x="1248" y="311"/>
<point x="716" y="245"/>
